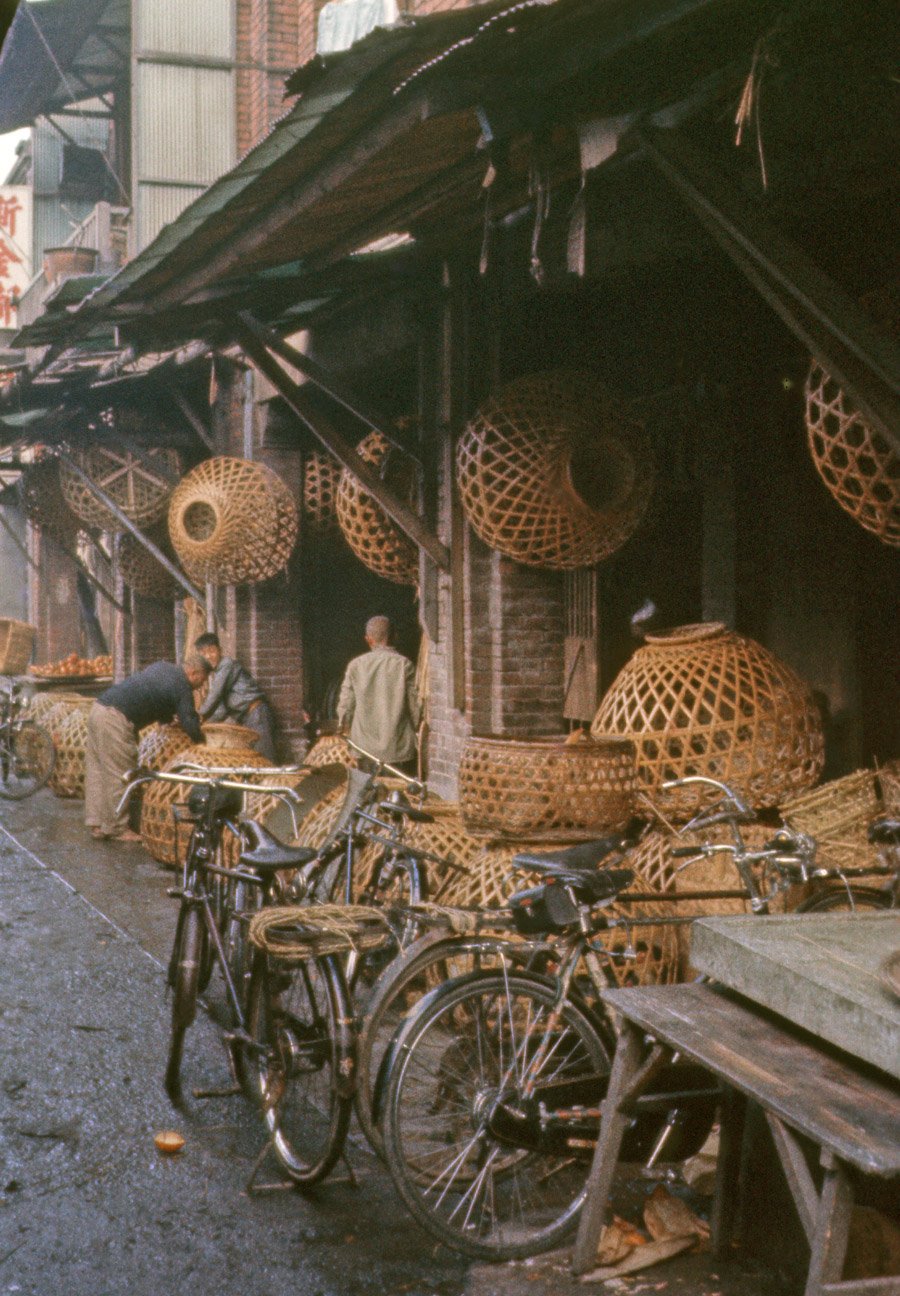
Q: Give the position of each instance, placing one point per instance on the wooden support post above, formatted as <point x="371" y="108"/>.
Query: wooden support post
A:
<point x="119" y="671"/>
<point x="185" y="407"/>
<point x="255" y="344"/>
<point x="831" y="1228"/>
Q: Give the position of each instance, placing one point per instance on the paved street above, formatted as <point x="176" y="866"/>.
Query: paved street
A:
<point x="88" y="1207"/>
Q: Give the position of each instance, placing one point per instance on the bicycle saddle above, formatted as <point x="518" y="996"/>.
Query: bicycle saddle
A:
<point x="266" y="854"/>
<point x="553" y="905"/>
<point x="585" y="856"/>
<point x="885" y="832"/>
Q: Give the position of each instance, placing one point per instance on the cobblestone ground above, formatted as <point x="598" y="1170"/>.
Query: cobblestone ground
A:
<point x="88" y="1207"/>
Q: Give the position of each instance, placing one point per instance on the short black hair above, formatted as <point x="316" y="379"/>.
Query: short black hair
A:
<point x="208" y="640"/>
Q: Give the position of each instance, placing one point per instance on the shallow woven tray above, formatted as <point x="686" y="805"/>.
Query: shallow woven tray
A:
<point x="232" y="521"/>
<point x="545" y="789"/>
<point x="704" y="700"/>
<point x="374" y="538"/>
<point x="553" y="471"/>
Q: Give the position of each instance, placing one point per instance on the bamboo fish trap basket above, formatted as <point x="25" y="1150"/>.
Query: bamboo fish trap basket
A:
<point x="553" y="471"/>
<point x="704" y="700"/>
<point x="232" y="522"/>
<point x="374" y="538"/>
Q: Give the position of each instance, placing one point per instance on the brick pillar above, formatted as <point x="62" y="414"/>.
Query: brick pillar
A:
<point x="53" y="601"/>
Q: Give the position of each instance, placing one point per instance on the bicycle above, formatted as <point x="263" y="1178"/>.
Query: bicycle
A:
<point x="27" y="753"/>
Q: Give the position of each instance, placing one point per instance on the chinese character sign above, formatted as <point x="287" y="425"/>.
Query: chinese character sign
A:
<point x="15" y="250"/>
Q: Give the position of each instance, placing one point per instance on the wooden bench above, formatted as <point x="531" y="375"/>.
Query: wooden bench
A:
<point x="850" y="1113"/>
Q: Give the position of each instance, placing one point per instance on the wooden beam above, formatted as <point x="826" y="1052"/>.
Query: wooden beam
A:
<point x="184" y="406"/>
<point x="128" y="525"/>
<point x="254" y="342"/>
<point x="826" y="319"/>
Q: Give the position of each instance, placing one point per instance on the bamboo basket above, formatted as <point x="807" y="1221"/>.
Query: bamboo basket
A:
<point x="165" y="840"/>
<point x="889" y="778"/>
<point x="232" y="521"/>
<point x="16" y="644"/>
<point x="222" y="735"/>
<point x="704" y="700"/>
<point x="331" y="749"/>
<point x="657" y="952"/>
<point x="854" y="460"/>
<point x="69" y="731"/>
<point x="374" y="538"/>
<point x="553" y="471"/>
<point x="545" y="789"/>
<point x="316" y="826"/>
<point x="43" y="502"/>
<point x="158" y="744"/>
<point x="837" y="814"/>
<point x="142" y="572"/>
<point x="321" y="480"/>
<point x="447" y="837"/>
<point x="139" y="484"/>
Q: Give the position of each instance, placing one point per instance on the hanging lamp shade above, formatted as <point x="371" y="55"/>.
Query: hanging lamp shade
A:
<point x="704" y="700"/>
<point x="553" y="471"/>
<point x="854" y="460"/>
<point x="374" y="538"/>
<point x="232" y="522"/>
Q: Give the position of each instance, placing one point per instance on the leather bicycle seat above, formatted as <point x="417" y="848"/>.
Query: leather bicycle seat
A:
<point x="885" y="832"/>
<point x="586" y="855"/>
<point x="266" y="854"/>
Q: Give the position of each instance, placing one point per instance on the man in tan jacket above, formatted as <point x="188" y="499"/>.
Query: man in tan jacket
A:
<point x="379" y="703"/>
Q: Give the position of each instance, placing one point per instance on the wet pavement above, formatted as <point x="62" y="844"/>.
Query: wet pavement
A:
<point x="88" y="1207"/>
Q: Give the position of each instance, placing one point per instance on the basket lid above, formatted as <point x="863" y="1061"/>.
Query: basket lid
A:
<point x="696" y="633"/>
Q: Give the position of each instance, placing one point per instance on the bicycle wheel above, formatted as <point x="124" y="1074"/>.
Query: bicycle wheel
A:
<point x="301" y="1020"/>
<point x="26" y="761"/>
<point x="466" y="1135"/>
<point x="846" y="899"/>
<point x="428" y="962"/>
<point x="185" y="969"/>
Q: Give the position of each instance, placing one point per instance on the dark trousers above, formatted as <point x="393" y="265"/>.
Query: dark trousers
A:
<point x="259" y="717"/>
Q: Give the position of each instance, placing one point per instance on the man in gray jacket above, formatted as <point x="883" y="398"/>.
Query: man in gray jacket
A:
<point x="379" y="703"/>
<point x="235" y="695"/>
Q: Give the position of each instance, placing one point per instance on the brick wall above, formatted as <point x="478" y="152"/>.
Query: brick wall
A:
<point x="53" y="601"/>
<point x="274" y="37"/>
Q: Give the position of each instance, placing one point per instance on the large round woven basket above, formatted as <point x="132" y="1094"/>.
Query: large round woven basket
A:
<point x="553" y="471"/>
<point x="222" y="735"/>
<point x="331" y="749"/>
<point x="857" y="464"/>
<point x="656" y="955"/>
<point x="140" y="484"/>
<point x="158" y="744"/>
<point x="374" y="538"/>
<point x="704" y="700"/>
<point x="321" y="480"/>
<point x="232" y="522"/>
<point x="69" y="738"/>
<point x="448" y="837"/>
<point x="165" y="840"/>
<point x="545" y="789"/>
<point x="43" y="501"/>
<point x="142" y="572"/>
<point x="837" y="814"/>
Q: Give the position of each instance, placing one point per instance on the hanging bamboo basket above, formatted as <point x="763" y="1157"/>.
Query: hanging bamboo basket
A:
<point x="142" y="572"/>
<point x="545" y="789"/>
<point x="69" y="731"/>
<point x="140" y="484"/>
<point x="704" y="700"/>
<point x="158" y="744"/>
<point x="859" y="467"/>
<point x="44" y="504"/>
<point x="374" y="538"/>
<point x="553" y="471"/>
<point x="165" y="840"/>
<point x="232" y="522"/>
<point x="321" y="480"/>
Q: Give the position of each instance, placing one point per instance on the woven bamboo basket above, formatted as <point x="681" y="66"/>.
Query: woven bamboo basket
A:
<point x="69" y="738"/>
<point x="331" y="749"/>
<point x="553" y="471"/>
<point x="854" y="460"/>
<point x="53" y="716"/>
<point x="16" y="644"/>
<point x="489" y="883"/>
<point x="374" y="538"/>
<point x="545" y="789"/>
<point x="838" y="815"/>
<point x="704" y="700"/>
<point x="321" y="480"/>
<point x="41" y="704"/>
<point x="316" y="826"/>
<point x="447" y="837"/>
<point x="222" y="735"/>
<point x="139" y="484"/>
<point x="43" y="501"/>
<point x="165" y="840"/>
<point x="158" y="744"/>
<point x="141" y="571"/>
<point x="889" y="778"/>
<point x="232" y="522"/>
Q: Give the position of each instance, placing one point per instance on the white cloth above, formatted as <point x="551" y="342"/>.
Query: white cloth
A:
<point x="343" y="22"/>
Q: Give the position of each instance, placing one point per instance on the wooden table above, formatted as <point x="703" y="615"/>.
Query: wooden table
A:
<point x="849" y="1112"/>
